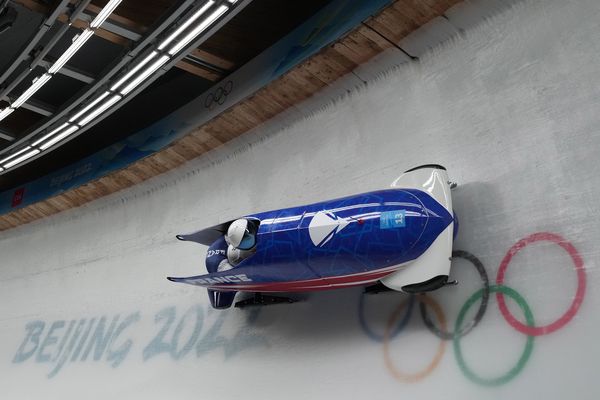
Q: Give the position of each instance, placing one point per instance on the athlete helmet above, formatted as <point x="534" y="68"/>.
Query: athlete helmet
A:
<point x="236" y="256"/>
<point x="239" y="236"/>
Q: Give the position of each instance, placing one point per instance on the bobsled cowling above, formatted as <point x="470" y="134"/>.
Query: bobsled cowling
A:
<point x="401" y="236"/>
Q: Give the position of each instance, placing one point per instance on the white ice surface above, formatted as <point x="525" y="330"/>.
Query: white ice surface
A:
<point x="510" y="108"/>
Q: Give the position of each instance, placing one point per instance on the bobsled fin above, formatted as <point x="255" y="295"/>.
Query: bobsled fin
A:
<point x="434" y="166"/>
<point x="206" y="236"/>
<point x="198" y="280"/>
<point x="216" y="281"/>
<point x="430" y="269"/>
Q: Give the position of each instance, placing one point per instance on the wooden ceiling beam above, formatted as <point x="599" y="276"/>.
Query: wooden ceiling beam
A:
<point x="198" y="70"/>
<point x="213" y="59"/>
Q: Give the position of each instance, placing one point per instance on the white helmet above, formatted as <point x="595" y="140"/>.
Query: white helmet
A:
<point x="236" y="256"/>
<point x="239" y="236"/>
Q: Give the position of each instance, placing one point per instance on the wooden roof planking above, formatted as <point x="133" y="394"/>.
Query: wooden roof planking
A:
<point x="306" y="79"/>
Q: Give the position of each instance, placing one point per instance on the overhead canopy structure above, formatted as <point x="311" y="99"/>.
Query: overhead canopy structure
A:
<point x="254" y="28"/>
<point x="84" y="60"/>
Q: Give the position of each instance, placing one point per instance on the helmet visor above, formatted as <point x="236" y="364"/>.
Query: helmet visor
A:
<point x="248" y="241"/>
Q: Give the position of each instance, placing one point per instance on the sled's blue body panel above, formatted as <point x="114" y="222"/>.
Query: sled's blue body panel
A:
<point x="347" y="241"/>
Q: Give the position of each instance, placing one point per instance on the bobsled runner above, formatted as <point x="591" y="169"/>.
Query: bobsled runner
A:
<point x="399" y="238"/>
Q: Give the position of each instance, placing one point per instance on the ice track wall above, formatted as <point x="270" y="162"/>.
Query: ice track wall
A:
<point x="510" y="108"/>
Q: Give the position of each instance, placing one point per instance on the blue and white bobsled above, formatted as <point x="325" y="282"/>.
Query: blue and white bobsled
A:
<point x="400" y="237"/>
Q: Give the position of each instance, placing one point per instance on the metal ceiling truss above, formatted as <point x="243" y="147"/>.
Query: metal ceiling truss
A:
<point x="185" y="29"/>
<point x="39" y="107"/>
<point x="40" y="32"/>
<point x="38" y="58"/>
<point x="6" y="135"/>
<point x="110" y="71"/>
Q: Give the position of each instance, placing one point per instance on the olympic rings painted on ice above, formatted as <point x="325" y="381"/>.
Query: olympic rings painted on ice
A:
<point x="528" y="345"/>
<point x="415" y="377"/>
<point x="445" y="335"/>
<point x="401" y="324"/>
<point x="581" y="283"/>
<point x="528" y="329"/>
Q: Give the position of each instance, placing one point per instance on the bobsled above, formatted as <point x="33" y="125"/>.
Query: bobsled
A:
<point x="398" y="238"/>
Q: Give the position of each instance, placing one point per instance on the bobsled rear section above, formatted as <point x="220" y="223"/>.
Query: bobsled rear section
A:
<point x="431" y="269"/>
<point x="214" y="238"/>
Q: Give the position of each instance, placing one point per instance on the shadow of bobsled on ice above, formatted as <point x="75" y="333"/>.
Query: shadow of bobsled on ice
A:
<point x="340" y="315"/>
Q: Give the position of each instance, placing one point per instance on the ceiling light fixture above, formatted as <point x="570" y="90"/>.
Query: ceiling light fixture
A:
<point x="142" y="77"/>
<point x="68" y="128"/>
<point x="105" y="106"/>
<point x="199" y="29"/>
<point x="23" y="150"/>
<point x="134" y="70"/>
<point x="78" y="42"/>
<point x="106" y="11"/>
<point x="60" y="137"/>
<point x="52" y="132"/>
<point x="185" y="25"/>
<point x="89" y="107"/>
<point x="70" y="52"/>
<point x="37" y="84"/>
<point x="22" y="158"/>
<point x="6" y="112"/>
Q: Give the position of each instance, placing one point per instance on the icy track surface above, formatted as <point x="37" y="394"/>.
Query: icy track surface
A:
<point x="511" y="109"/>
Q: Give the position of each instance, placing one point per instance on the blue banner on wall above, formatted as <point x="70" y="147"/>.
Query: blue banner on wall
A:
<point x="331" y="22"/>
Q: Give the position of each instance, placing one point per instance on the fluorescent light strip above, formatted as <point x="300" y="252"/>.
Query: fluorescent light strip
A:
<point x="60" y="137"/>
<point x="185" y="25"/>
<point x="106" y="11"/>
<point x="100" y="110"/>
<point x="134" y="70"/>
<point x="52" y="132"/>
<point x="75" y="46"/>
<point x="6" y="112"/>
<point x="22" y="158"/>
<point x="149" y="71"/>
<point x="89" y="106"/>
<point x="62" y="60"/>
<point x="197" y="30"/>
<point x="39" y="82"/>
<point x="23" y="150"/>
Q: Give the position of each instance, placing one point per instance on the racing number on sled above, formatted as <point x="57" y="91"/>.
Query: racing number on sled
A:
<point x="392" y="219"/>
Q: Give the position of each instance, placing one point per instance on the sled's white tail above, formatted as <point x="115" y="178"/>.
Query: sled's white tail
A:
<point x="431" y="179"/>
<point x="432" y="268"/>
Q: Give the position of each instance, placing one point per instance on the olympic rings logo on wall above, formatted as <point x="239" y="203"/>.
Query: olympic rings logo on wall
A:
<point x="398" y="320"/>
<point x="219" y="96"/>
